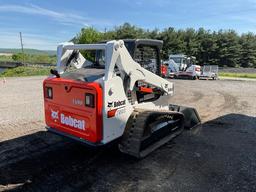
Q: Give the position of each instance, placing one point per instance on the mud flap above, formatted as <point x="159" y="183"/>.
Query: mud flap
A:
<point x="191" y="117"/>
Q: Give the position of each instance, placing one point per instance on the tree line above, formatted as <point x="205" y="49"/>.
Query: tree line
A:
<point x="223" y="47"/>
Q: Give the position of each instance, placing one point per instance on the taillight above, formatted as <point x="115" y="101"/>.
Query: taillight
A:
<point x="89" y="100"/>
<point x="49" y="93"/>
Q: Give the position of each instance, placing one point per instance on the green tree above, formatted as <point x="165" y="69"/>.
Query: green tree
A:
<point x="190" y="41"/>
<point x="248" y="52"/>
<point x="207" y="47"/>
<point x="172" y="42"/>
<point x="88" y="35"/>
<point x="128" y="31"/>
<point x="229" y="48"/>
<point x="223" y="48"/>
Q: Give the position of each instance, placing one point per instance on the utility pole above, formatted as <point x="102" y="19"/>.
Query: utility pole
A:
<point x="21" y="43"/>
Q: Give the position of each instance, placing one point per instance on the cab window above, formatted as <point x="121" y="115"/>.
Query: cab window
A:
<point x="146" y="56"/>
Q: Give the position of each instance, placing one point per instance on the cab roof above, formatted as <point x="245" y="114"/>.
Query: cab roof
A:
<point x="152" y="42"/>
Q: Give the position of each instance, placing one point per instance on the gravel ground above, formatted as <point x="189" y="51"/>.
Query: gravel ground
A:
<point x="219" y="156"/>
<point x="21" y="107"/>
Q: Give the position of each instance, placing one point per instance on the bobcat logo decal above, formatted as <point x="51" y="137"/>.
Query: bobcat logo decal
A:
<point x="54" y="114"/>
<point x="110" y="104"/>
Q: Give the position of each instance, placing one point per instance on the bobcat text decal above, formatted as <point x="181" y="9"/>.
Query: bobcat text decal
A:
<point x="116" y="103"/>
<point x="68" y="120"/>
<point x="118" y="110"/>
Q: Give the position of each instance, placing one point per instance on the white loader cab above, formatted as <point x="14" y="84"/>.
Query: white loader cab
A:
<point x="181" y="60"/>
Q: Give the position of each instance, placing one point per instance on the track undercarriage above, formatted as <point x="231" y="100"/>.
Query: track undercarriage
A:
<point x="148" y="130"/>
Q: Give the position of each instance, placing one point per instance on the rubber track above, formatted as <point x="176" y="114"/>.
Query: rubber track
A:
<point x="133" y="135"/>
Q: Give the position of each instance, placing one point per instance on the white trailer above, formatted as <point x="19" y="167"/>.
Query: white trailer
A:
<point x="209" y="72"/>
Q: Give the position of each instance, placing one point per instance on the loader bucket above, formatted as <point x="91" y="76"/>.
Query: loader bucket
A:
<point x="191" y="117"/>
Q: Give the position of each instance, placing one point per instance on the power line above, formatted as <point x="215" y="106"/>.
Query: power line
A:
<point x="21" y="43"/>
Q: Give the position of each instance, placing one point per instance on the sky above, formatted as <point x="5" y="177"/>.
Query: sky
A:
<point x="45" y="23"/>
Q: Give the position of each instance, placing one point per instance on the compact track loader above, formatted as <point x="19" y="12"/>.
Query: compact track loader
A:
<point x="107" y="92"/>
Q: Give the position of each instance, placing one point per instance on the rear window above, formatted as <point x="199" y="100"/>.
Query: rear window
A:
<point x="190" y="69"/>
<point x="146" y="56"/>
<point x="86" y="59"/>
<point x="176" y="59"/>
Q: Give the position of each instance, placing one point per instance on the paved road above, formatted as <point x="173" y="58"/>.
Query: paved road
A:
<point x="219" y="156"/>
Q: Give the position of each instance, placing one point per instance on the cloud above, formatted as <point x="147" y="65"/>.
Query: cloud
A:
<point x="63" y="18"/>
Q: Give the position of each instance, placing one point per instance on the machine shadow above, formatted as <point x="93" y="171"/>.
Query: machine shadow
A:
<point x="45" y="162"/>
<point x="35" y="156"/>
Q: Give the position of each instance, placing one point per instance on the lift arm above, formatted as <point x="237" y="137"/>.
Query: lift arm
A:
<point x="121" y="57"/>
<point x="116" y="55"/>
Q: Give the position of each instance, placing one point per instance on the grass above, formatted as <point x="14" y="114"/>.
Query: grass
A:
<point x="33" y="58"/>
<point x="238" y="75"/>
<point x="5" y="58"/>
<point x="28" y="51"/>
<point x="26" y="71"/>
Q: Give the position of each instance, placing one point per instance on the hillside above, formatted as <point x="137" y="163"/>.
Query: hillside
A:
<point x="29" y="51"/>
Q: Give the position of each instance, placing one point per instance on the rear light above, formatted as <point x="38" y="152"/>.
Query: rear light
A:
<point x="49" y="93"/>
<point x="89" y="100"/>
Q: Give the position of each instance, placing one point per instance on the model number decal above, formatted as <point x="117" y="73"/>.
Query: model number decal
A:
<point x="121" y="111"/>
<point x="77" y="102"/>
<point x="116" y="108"/>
